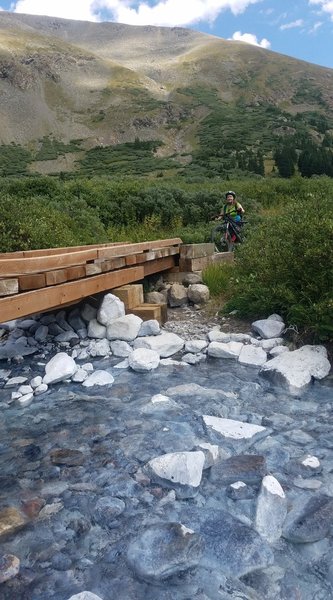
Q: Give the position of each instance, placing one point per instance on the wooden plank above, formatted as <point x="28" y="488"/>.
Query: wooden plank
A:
<point x="151" y="255"/>
<point x="128" y="249"/>
<point x="56" y="277"/>
<point x="131" y="295"/>
<point x="112" y="264"/>
<point x="32" y="282"/>
<point x="53" y="251"/>
<point x="22" y="266"/>
<point x="37" y="301"/>
<point x="92" y="269"/>
<point x="75" y="272"/>
<point x="147" y="312"/>
<point x="160" y="264"/>
<point x="8" y="287"/>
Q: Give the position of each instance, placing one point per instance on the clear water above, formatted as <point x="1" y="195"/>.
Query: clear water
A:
<point x="117" y="430"/>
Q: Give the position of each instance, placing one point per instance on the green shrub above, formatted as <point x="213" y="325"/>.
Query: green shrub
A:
<point x="220" y="279"/>
<point x="285" y="266"/>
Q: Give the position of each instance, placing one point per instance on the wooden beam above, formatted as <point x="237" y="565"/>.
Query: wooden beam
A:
<point x="128" y="249"/>
<point x="160" y="264"/>
<point x="52" y="251"/>
<point x="23" y="266"/>
<point x="37" y="301"/>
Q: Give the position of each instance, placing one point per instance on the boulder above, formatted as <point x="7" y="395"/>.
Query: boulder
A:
<point x="177" y="295"/>
<point x="271" y="509"/>
<point x="198" y="293"/>
<point x="181" y="471"/>
<point x="111" y="308"/>
<point x="59" y="368"/>
<point x="164" y="550"/>
<point x="232" y="547"/>
<point x="252" y="356"/>
<point x="99" y="377"/>
<point x="311" y="521"/>
<point x="143" y="359"/>
<point x="125" y="328"/>
<point x="268" y="328"/>
<point x="96" y="330"/>
<point x="165" y="344"/>
<point x="224" y="350"/>
<point x="296" y="369"/>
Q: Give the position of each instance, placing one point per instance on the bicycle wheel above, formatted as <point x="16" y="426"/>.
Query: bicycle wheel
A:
<point x="218" y="237"/>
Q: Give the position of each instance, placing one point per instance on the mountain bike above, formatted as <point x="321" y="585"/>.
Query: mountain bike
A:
<point x="226" y="234"/>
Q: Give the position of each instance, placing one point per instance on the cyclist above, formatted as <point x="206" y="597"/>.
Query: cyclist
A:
<point x="232" y="208"/>
<point x="234" y="211"/>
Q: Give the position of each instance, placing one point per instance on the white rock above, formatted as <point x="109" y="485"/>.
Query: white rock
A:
<point x="99" y="377"/>
<point x="120" y="348"/>
<point x="271" y="509"/>
<point x="178" y="468"/>
<point x="211" y="452"/>
<point x="167" y="362"/>
<point x="59" y="368"/>
<point x="224" y="350"/>
<point x="277" y="350"/>
<point x="41" y="389"/>
<point x="88" y="367"/>
<point x="252" y="356"/>
<point x="100" y="348"/>
<point x="111" y="308"/>
<point x="234" y="430"/>
<point x="311" y="461"/>
<point x="165" y="344"/>
<point x="85" y="596"/>
<point x="14" y="381"/>
<point x="193" y="359"/>
<point x="25" y="389"/>
<point x="218" y="336"/>
<point x="36" y="381"/>
<point x="122" y="365"/>
<point x="25" y="400"/>
<point x="195" y="346"/>
<point x="268" y="328"/>
<point x="79" y="376"/>
<point x="96" y="330"/>
<point x="125" y="328"/>
<point x="83" y="354"/>
<point x="150" y="327"/>
<point x="16" y="395"/>
<point x="240" y="337"/>
<point x="159" y="399"/>
<point x="143" y="359"/>
<point x="296" y="368"/>
<point x="268" y="345"/>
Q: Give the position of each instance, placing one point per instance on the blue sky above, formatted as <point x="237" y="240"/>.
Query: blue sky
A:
<point x="299" y="28"/>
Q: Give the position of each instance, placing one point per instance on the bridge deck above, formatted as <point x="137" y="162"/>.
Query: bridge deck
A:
<point x="40" y="280"/>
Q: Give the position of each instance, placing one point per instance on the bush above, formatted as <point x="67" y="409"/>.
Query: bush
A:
<point x="285" y="266"/>
<point x="219" y="278"/>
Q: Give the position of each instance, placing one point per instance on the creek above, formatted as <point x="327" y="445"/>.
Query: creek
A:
<point x="72" y="463"/>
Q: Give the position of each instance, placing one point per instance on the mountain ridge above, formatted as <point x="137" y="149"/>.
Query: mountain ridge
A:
<point x="108" y="84"/>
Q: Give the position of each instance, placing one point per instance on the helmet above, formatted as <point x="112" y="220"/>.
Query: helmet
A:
<point x="230" y="193"/>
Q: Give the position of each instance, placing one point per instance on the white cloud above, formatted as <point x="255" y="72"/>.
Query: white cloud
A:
<point x="326" y="5"/>
<point x="316" y="26"/>
<point x="250" y="38"/>
<point x="298" y="23"/>
<point x="84" y="10"/>
<point x="135" y="12"/>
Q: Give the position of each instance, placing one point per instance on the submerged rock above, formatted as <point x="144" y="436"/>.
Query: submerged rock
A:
<point x="232" y="547"/>
<point x="311" y="521"/>
<point x="9" y="567"/>
<point x="271" y="509"/>
<point x="164" y="550"/>
<point x="179" y="470"/>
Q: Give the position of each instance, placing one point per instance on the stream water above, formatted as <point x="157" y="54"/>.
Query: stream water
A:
<point x="71" y="465"/>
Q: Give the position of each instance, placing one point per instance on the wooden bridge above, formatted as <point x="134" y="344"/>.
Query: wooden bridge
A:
<point x="37" y="281"/>
<point x="40" y="280"/>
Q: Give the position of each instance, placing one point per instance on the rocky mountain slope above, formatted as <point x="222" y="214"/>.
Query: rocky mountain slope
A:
<point x="85" y="85"/>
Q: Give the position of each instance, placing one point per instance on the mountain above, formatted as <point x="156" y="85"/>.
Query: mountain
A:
<point x="99" y="97"/>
